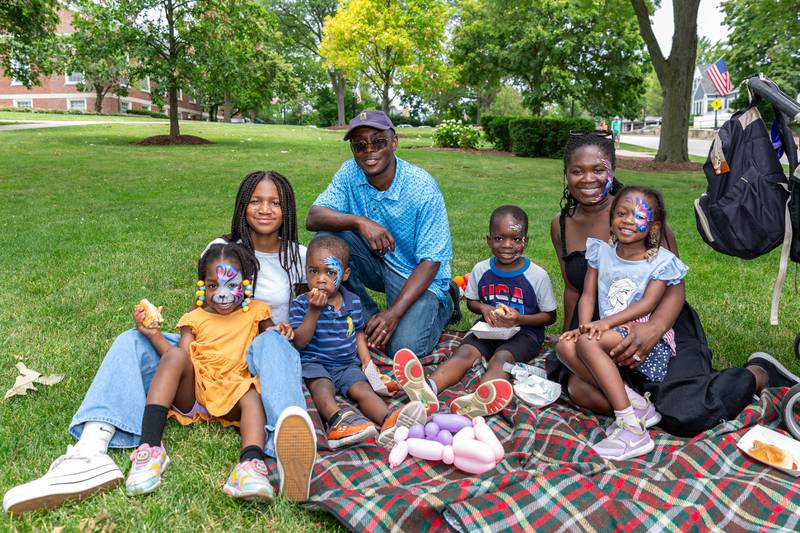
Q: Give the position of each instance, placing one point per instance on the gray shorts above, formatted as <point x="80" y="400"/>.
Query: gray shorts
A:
<point x="343" y="377"/>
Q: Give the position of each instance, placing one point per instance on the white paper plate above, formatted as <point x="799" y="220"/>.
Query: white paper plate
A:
<point x="482" y="330"/>
<point x="770" y="436"/>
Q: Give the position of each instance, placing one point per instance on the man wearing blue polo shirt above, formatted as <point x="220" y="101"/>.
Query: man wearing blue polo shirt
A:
<point x="393" y="217"/>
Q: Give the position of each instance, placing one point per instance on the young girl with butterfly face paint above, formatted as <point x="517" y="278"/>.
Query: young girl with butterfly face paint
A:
<point x="626" y="278"/>
<point x="206" y="375"/>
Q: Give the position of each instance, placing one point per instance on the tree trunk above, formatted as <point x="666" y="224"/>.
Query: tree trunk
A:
<point x="338" y="84"/>
<point x="174" y="128"/>
<point x="99" y="93"/>
<point x="226" y="107"/>
<point x="675" y="74"/>
<point x="385" y="97"/>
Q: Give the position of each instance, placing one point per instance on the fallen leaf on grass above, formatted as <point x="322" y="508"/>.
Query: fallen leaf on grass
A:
<point x="26" y="379"/>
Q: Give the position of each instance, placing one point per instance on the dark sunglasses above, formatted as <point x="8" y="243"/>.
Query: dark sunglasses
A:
<point x="376" y="145"/>
<point x="599" y="133"/>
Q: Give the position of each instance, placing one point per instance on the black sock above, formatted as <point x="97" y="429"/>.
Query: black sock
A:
<point x="153" y="422"/>
<point x="251" y="452"/>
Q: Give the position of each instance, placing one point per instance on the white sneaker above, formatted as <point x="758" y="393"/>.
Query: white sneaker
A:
<point x="74" y="475"/>
<point x="296" y="451"/>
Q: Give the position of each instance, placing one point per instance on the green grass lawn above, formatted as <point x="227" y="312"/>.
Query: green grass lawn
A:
<point x="92" y="223"/>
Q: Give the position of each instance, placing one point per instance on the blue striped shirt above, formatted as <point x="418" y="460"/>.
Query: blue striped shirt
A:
<point x="412" y="209"/>
<point x="334" y="339"/>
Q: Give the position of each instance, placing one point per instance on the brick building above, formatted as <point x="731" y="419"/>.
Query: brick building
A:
<point x="60" y="91"/>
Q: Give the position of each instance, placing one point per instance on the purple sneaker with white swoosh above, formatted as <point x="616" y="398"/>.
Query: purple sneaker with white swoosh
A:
<point x="625" y="442"/>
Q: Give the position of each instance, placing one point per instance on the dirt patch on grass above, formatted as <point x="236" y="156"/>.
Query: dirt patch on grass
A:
<point x="164" y="140"/>
<point x="628" y="163"/>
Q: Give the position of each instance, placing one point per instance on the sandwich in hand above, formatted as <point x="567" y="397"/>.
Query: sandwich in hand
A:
<point x="152" y="316"/>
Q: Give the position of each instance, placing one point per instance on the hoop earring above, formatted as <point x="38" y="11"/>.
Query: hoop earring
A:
<point x="612" y="240"/>
<point x="200" y="293"/>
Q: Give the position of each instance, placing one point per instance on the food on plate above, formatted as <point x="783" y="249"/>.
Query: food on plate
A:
<point x="773" y="455"/>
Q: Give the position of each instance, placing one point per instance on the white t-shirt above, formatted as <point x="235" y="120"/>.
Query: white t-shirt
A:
<point x="272" y="284"/>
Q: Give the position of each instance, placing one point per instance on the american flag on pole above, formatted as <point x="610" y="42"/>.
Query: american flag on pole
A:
<point x="720" y="77"/>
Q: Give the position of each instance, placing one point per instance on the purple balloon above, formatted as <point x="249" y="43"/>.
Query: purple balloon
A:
<point x="452" y="423"/>
<point x="445" y="437"/>
<point x="416" y="432"/>
<point x="431" y="430"/>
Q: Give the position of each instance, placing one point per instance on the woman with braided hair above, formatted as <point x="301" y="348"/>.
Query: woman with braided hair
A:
<point x="265" y="223"/>
<point x="692" y="396"/>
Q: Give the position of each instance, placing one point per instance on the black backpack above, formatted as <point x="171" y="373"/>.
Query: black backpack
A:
<point x="743" y="212"/>
<point x="750" y="206"/>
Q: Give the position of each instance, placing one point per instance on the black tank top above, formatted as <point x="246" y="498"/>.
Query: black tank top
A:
<point x="575" y="266"/>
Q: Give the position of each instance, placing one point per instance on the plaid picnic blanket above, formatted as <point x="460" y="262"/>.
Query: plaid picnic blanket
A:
<point x="551" y="479"/>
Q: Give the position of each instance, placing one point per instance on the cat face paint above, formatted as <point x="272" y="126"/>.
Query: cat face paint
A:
<point x="334" y="264"/>
<point x="229" y="285"/>
<point x="642" y="215"/>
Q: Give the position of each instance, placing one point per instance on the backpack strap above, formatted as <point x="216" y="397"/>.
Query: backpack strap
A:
<point x="784" y="264"/>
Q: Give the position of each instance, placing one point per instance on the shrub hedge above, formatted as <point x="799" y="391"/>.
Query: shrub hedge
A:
<point x="532" y="136"/>
<point x="147" y="113"/>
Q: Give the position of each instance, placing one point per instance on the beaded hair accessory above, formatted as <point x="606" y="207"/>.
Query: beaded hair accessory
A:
<point x="247" y="292"/>
<point x="200" y="293"/>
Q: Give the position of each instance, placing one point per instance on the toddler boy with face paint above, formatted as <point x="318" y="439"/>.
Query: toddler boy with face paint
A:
<point x="329" y="334"/>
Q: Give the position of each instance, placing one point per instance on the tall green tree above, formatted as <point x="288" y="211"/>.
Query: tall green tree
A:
<point x="675" y="74"/>
<point x="98" y="50"/>
<point x="765" y="37"/>
<point x="28" y="43"/>
<point x="397" y="45"/>
<point x="303" y="21"/>
<point x="235" y="52"/>
<point x="556" y="51"/>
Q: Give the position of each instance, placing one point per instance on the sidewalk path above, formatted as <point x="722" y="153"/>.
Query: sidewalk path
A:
<point x="696" y="146"/>
<point x="36" y="124"/>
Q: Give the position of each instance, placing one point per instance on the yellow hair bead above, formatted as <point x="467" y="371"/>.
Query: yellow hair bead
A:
<point x="199" y="293"/>
<point x="246" y="282"/>
<point x="200" y="283"/>
<point x="199" y="303"/>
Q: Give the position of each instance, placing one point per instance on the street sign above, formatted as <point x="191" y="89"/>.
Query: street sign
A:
<point x="716" y="103"/>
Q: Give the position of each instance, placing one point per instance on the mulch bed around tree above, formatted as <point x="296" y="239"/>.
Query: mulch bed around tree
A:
<point x="627" y="163"/>
<point x="163" y="140"/>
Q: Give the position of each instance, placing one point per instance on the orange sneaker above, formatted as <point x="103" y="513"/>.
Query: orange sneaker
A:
<point x="410" y="414"/>
<point x="348" y="427"/>
<point x="489" y="398"/>
<point x="410" y="375"/>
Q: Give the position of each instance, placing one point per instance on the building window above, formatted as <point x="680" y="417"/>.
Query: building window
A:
<point x="180" y="94"/>
<point x="73" y="78"/>
<point x="23" y="103"/>
<point x="76" y="104"/>
<point x="124" y="106"/>
<point x="144" y="85"/>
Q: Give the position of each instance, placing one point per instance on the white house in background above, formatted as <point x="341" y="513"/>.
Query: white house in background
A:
<point x="703" y="93"/>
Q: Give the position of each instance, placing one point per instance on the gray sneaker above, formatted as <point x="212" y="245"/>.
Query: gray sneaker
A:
<point x="625" y="442"/>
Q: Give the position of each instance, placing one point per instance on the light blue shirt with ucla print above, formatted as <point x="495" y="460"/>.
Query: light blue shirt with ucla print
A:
<point x="412" y="209"/>
<point x="621" y="282"/>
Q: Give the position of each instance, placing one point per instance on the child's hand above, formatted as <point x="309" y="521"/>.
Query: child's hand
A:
<point x="317" y="298"/>
<point x="138" y="317"/>
<point x="508" y="318"/>
<point x="595" y="329"/>
<point x="284" y="329"/>
<point x="489" y="315"/>
<point x="570" y="335"/>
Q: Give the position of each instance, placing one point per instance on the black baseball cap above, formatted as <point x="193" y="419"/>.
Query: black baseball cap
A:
<point x="371" y="118"/>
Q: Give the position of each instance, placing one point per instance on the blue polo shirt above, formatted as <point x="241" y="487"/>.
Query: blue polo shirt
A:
<point x="412" y="209"/>
<point x="334" y="340"/>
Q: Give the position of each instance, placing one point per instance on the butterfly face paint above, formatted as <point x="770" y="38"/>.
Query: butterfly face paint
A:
<point x="229" y="285"/>
<point x="334" y="264"/>
<point x="642" y="215"/>
<point x="609" y="177"/>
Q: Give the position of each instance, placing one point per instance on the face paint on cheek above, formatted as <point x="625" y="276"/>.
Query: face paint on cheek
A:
<point x="334" y="264"/>
<point x="609" y="177"/>
<point x="226" y="275"/>
<point x="643" y="215"/>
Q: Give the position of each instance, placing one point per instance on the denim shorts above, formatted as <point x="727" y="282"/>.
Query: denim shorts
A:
<point x="654" y="367"/>
<point x="343" y="377"/>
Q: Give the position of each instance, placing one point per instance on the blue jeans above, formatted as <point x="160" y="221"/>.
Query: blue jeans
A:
<point x="118" y="392"/>
<point x="421" y="326"/>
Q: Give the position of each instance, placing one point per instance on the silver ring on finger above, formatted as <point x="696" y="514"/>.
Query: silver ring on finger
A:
<point x="637" y="358"/>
